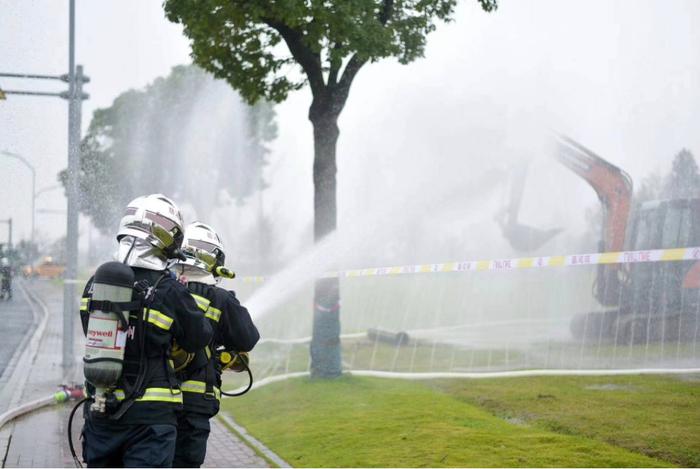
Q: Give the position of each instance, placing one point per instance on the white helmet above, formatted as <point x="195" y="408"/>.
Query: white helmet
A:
<point x="202" y="247"/>
<point x="155" y="219"/>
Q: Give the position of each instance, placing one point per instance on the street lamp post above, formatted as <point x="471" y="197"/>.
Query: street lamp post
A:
<point x="33" y="170"/>
<point x="75" y="90"/>
<point x="9" y="232"/>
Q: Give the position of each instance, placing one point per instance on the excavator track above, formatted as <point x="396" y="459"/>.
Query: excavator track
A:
<point x="625" y="328"/>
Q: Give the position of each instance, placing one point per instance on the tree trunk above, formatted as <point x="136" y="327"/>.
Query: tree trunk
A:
<point x="326" y="359"/>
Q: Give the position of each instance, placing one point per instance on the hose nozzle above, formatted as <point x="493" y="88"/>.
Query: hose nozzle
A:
<point x="222" y="271"/>
<point x="234" y="361"/>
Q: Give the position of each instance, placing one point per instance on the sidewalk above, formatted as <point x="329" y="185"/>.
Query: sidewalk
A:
<point x="226" y="450"/>
<point x="39" y="439"/>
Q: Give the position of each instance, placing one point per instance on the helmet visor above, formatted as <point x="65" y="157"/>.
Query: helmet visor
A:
<point x="202" y="251"/>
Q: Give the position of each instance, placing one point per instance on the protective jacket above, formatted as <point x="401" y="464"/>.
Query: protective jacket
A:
<point x="6" y="276"/>
<point x="233" y="329"/>
<point x="172" y="314"/>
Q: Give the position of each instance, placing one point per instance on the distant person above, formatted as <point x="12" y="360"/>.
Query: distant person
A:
<point x="6" y="274"/>
<point x="137" y="427"/>
<point x="200" y="373"/>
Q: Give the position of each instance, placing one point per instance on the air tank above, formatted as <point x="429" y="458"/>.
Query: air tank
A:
<point x="106" y="331"/>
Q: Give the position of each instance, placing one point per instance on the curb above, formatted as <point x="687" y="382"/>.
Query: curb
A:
<point x="253" y="442"/>
<point x="32" y="347"/>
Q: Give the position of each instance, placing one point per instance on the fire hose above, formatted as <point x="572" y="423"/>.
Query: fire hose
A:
<point x="65" y="394"/>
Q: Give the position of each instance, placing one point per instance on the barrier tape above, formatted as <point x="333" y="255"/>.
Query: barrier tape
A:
<point x="521" y="263"/>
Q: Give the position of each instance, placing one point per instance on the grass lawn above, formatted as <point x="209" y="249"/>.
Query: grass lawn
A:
<point x="653" y="415"/>
<point x="518" y="422"/>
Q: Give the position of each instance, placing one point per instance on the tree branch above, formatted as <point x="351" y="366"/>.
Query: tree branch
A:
<point x="310" y="61"/>
<point x="341" y="88"/>
<point x="335" y="65"/>
<point x="354" y="65"/>
<point x="387" y="11"/>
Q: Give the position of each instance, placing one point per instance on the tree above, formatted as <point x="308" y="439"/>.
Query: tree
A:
<point x="155" y="128"/>
<point x="328" y="42"/>
<point x="649" y="189"/>
<point x="684" y="179"/>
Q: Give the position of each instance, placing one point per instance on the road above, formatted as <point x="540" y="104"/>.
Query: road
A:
<point x="15" y="320"/>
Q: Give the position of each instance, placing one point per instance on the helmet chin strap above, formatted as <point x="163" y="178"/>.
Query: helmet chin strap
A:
<point x="133" y="243"/>
<point x="139" y="253"/>
<point x="195" y="274"/>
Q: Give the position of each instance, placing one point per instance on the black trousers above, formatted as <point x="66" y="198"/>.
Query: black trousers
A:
<point x="109" y="444"/>
<point x="192" y="434"/>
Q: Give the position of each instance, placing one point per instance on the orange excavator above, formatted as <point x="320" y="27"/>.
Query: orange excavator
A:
<point x="658" y="301"/>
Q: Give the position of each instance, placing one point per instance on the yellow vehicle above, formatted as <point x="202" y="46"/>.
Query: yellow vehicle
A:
<point x="48" y="269"/>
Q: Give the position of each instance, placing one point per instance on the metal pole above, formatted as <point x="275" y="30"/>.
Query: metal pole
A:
<point x="33" y="93"/>
<point x="70" y="305"/>
<point x="33" y="204"/>
<point x="51" y="211"/>
<point x="34" y="76"/>
<point x="9" y="236"/>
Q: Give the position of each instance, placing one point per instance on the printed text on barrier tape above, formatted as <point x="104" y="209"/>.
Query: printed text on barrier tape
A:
<point x="622" y="257"/>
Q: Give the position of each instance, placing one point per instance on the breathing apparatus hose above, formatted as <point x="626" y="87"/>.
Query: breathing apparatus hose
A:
<point x="70" y="431"/>
<point x="250" y="380"/>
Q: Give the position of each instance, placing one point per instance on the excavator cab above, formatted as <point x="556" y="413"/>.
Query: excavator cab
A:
<point x="661" y="299"/>
<point x="665" y="224"/>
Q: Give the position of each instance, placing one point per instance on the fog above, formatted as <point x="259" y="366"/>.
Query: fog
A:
<point x="619" y="76"/>
<point x="426" y="151"/>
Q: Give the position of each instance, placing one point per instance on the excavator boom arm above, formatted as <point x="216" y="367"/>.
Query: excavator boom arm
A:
<point x="612" y="184"/>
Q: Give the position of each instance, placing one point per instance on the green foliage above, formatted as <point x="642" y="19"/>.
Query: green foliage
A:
<point x="237" y="40"/>
<point x="362" y="422"/>
<point x="140" y="145"/>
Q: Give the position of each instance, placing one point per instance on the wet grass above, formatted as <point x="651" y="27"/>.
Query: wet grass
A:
<point x="658" y="416"/>
<point x="533" y="422"/>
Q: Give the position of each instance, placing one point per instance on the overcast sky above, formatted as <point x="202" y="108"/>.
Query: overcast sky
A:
<point x="620" y="76"/>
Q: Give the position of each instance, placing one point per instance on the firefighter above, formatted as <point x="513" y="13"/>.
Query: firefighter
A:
<point x="6" y="278"/>
<point x="200" y="373"/>
<point x="135" y="424"/>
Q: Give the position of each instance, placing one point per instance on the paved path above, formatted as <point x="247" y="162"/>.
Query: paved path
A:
<point x="225" y="450"/>
<point x="40" y="438"/>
